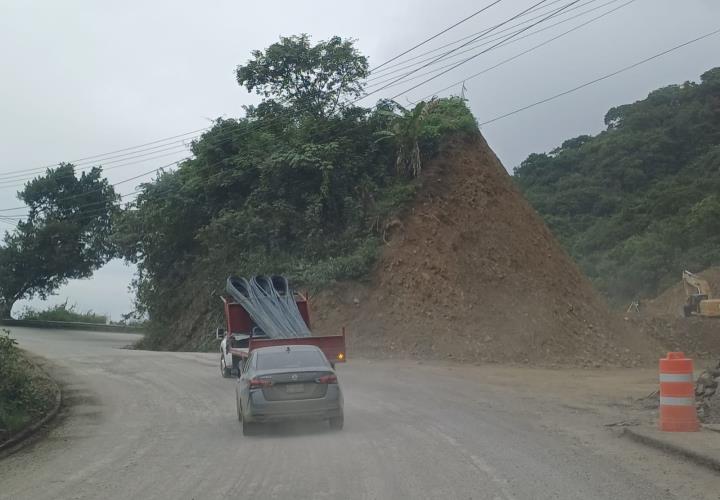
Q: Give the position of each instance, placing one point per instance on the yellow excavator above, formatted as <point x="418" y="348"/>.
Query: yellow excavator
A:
<point x="699" y="297"/>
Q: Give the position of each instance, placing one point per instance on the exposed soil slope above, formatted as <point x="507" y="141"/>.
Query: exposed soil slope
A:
<point x="472" y="273"/>
<point x="662" y="319"/>
<point x="671" y="301"/>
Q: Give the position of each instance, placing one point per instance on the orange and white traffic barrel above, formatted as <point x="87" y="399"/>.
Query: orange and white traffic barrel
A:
<point x="677" y="394"/>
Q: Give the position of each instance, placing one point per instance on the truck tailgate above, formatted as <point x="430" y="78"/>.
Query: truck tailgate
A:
<point x="332" y="346"/>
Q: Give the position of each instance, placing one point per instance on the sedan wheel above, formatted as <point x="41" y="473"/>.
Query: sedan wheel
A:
<point x="248" y="428"/>
<point x="337" y="423"/>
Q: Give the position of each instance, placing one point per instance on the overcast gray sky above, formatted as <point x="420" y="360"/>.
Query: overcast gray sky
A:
<point x="85" y="77"/>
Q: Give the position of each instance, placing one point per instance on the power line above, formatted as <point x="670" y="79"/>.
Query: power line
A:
<point x="458" y="40"/>
<point x="104" y="160"/>
<point x="226" y="137"/>
<point x="483" y="51"/>
<point x="513" y="40"/>
<point x="445" y="54"/>
<point x="99" y="158"/>
<point x="604" y="77"/>
<point x="12" y="183"/>
<point x="110" y="152"/>
<point x="8" y="220"/>
<point x="404" y="66"/>
<point x="531" y="49"/>
<point x="503" y="44"/>
<point x="437" y="34"/>
<point x="149" y="172"/>
<point x="151" y="150"/>
<point x="230" y="131"/>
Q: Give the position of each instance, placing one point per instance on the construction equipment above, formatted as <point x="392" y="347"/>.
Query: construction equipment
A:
<point x="699" y="297"/>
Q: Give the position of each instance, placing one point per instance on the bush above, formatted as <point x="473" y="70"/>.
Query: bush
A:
<point x="446" y="117"/>
<point x="63" y="312"/>
<point x="23" y="393"/>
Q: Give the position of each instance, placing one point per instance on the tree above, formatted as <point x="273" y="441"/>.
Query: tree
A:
<point x="313" y="79"/>
<point x="637" y="203"/>
<point x="405" y="131"/>
<point x="66" y="234"/>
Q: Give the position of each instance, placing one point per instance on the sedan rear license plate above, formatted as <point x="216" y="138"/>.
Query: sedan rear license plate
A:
<point x="293" y="388"/>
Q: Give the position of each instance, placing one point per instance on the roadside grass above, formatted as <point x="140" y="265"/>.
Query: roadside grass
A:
<point x="25" y="392"/>
<point x="63" y="312"/>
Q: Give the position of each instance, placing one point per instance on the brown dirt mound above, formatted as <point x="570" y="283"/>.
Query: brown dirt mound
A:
<point x="472" y="273"/>
<point x="697" y="337"/>
<point x="671" y="301"/>
<point x="662" y="319"/>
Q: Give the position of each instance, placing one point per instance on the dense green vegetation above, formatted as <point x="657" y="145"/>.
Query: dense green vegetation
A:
<point x="24" y="393"/>
<point x="66" y="234"/>
<point x="302" y="185"/>
<point x="63" y="312"/>
<point x="639" y="202"/>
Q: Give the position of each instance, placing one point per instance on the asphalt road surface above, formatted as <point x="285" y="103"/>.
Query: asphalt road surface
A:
<point x="149" y="425"/>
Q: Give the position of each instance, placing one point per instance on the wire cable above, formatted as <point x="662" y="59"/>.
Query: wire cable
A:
<point x="445" y="54"/>
<point x="465" y="61"/>
<point x="531" y="49"/>
<point x="438" y="34"/>
<point x="604" y="77"/>
<point x="404" y="66"/>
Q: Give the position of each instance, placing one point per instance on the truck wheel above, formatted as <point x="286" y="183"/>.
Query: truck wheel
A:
<point x="336" y="423"/>
<point x="687" y="310"/>
<point x="224" y="370"/>
<point x="236" y="367"/>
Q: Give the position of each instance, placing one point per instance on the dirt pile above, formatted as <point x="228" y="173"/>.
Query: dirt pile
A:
<point x="471" y="273"/>
<point x="662" y="319"/>
<point x="695" y="336"/>
<point x="670" y="302"/>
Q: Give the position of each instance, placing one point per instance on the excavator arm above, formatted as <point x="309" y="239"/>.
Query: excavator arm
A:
<point x="695" y="285"/>
<point x="699" y="297"/>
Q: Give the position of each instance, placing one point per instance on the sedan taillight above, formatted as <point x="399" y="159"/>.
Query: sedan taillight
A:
<point x="327" y="379"/>
<point x="259" y="383"/>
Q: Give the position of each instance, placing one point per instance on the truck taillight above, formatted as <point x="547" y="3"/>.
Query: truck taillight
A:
<point x="259" y="383"/>
<point x="327" y="379"/>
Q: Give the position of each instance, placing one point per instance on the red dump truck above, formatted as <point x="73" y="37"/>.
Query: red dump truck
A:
<point x="241" y="336"/>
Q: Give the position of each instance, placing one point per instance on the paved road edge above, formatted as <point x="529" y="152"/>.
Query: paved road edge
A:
<point x="702" y="459"/>
<point x="15" y="443"/>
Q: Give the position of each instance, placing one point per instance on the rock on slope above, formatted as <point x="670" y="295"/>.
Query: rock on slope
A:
<point x="472" y="273"/>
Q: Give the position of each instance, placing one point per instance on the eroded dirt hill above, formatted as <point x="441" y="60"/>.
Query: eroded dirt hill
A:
<point x="471" y="273"/>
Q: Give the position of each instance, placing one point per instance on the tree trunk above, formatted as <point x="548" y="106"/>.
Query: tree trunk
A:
<point x="6" y="309"/>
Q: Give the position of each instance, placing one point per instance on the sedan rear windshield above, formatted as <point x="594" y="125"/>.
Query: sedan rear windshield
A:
<point x="290" y="359"/>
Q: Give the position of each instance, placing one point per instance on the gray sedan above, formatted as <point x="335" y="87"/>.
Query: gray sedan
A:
<point x="287" y="383"/>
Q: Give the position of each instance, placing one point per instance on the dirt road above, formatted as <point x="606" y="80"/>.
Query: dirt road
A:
<point x="163" y="425"/>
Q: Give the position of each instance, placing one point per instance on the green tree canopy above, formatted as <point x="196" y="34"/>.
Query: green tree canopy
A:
<point x="638" y="203"/>
<point x="67" y="234"/>
<point x="312" y="79"/>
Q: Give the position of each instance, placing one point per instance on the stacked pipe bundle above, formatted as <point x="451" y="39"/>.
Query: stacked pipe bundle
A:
<point x="270" y="302"/>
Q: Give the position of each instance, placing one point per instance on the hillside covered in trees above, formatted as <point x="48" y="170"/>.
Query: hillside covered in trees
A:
<point x="639" y="202"/>
<point x="304" y="185"/>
